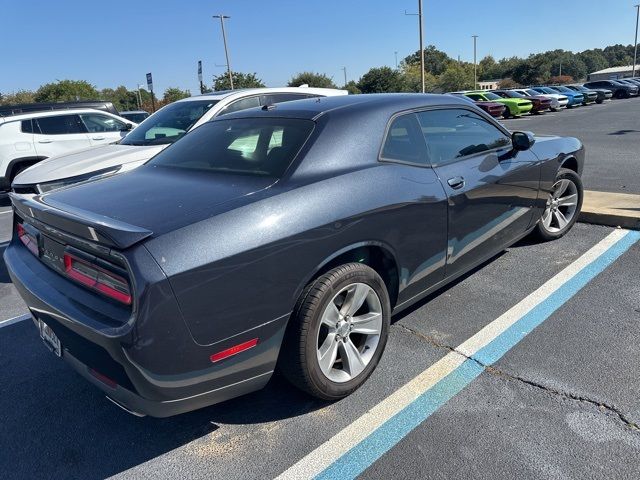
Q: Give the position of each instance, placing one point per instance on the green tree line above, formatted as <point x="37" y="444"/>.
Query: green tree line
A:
<point x="442" y="74"/>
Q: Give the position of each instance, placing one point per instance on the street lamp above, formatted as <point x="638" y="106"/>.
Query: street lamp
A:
<point x="226" y="51"/>
<point x="421" y="43"/>
<point x="475" y="62"/>
<point x="635" y="49"/>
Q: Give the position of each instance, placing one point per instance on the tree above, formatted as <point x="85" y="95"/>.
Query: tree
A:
<point x="122" y="98"/>
<point x="319" y="80"/>
<point x="21" y="96"/>
<point x="240" y="80"/>
<point x="66" y="91"/>
<point x="508" y="83"/>
<point x="381" y="79"/>
<point x="411" y="78"/>
<point x="352" y="87"/>
<point x="561" y="80"/>
<point x="173" y="94"/>
<point x="457" y="76"/>
<point x="435" y="61"/>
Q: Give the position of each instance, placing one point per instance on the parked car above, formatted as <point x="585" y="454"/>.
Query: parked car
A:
<point x="137" y="116"/>
<point x="7" y="110"/>
<point x="154" y="134"/>
<point x="588" y="95"/>
<point x="540" y="103"/>
<point x="558" y="100"/>
<point x="515" y="106"/>
<point x="496" y="110"/>
<point x="601" y="94"/>
<point x="281" y="237"/>
<point x="575" y="98"/>
<point x="630" y="81"/>
<point x="29" y="138"/>
<point x="620" y="90"/>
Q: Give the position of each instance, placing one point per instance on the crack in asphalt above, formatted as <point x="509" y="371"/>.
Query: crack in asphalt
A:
<point x="511" y="377"/>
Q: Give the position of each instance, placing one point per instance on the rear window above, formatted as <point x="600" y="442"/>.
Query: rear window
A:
<point x="247" y="146"/>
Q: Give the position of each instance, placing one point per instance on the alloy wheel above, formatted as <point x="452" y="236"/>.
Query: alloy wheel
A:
<point x="561" y="206"/>
<point x="349" y="332"/>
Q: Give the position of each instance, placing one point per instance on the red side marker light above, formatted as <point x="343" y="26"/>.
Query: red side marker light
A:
<point x="230" y="352"/>
<point x="103" y="378"/>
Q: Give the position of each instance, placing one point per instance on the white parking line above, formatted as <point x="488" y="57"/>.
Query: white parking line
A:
<point x="352" y="450"/>
<point x="11" y="321"/>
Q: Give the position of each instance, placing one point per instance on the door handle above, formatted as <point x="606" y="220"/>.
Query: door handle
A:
<point x="97" y="138"/>
<point x="45" y="140"/>
<point x="456" y="182"/>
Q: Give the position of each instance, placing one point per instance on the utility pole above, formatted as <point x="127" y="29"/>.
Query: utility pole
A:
<point x="475" y="62"/>
<point x="396" y="54"/>
<point x="635" y="49"/>
<point x="560" y="72"/>
<point x="226" y="51"/>
<point x="344" y="69"/>
<point x="421" y="42"/>
<point x="139" y="98"/>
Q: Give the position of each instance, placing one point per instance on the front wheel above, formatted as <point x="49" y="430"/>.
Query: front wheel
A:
<point x="337" y="333"/>
<point x="563" y="205"/>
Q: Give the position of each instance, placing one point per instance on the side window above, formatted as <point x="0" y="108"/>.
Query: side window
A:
<point x="26" y="126"/>
<point x="274" y="98"/>
<point x="454" y="133"/>
<point x="477" y="98"/>
<point x="404" y="141"/>
<point x="242" y="104"/>
<point x="94" y="122"/>
<point x="60" y="125"/>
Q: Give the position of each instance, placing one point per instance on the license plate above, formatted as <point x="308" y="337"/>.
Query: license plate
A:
<point x="49" y="338"/>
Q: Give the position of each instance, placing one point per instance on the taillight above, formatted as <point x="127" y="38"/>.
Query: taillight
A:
<point x="27" y="239"/>
<point x="97" y="278"/>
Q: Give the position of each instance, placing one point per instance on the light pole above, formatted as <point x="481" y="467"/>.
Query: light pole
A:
<point x="226" y="51"/>
<point x="396" y="54"/>
<point x="475" y="62"/>
<point x="344" y="69"/>
<point x="635" y="49"/>
<point x="421" y="42"/>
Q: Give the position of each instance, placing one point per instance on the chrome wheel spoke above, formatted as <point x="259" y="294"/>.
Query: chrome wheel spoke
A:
<point x="331" y="316"/>
<point x="356" y="295"/>
<point x="560" y="188"/>
<point x="568" y="201"/>
<point x="561" y="220"/>
<point x="367" y="324"/>
<point x="351" y="359"/>
<point x="546" y="218"/>
<point x="328" y="353"/>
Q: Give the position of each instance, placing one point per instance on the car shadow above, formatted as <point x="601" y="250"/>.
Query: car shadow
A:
<point x="623" y="132"/>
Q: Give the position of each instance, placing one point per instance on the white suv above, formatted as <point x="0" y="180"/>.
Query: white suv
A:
<point x="28" y="138"/>
<point x="162" y="128"/>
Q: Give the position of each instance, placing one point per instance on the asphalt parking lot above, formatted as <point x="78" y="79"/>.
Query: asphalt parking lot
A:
<point x="524" y="368"/>
<point x="610" y="133"/>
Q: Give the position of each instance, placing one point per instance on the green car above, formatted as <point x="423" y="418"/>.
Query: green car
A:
<point x="515" y="106"/>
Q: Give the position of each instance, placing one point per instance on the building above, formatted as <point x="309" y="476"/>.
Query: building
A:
<point x="488" y="85"/>
<point x="613" y="73"/>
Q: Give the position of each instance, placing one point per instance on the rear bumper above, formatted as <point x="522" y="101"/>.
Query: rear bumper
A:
<point x="152" y="367"/>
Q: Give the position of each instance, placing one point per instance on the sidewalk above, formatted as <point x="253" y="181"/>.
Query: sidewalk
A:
<point x="611" y="209"/>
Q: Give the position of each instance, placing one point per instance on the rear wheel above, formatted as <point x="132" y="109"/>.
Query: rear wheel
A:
<point x="563" y="205"/>
<point x="337" y="333"/>
<point x="507" y="113"/>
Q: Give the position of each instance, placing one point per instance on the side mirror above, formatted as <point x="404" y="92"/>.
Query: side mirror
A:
<point x="127" y="127"/>
<point x="522" y="140"/>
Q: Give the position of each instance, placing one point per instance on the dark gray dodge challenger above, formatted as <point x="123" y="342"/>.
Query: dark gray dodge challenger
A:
<point x="279" y="238"/>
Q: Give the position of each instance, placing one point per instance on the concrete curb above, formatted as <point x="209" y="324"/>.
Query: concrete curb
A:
<point x="611" y="209"/>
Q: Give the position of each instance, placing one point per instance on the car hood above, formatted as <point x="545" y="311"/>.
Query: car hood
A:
<point x="85" y="161"/>
<point x="157" y="199"/>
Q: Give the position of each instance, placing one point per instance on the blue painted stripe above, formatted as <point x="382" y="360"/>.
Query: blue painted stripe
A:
<point x="364" y="454"/>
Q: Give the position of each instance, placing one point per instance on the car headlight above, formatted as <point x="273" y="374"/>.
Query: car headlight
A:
<point x="67" y="182"/>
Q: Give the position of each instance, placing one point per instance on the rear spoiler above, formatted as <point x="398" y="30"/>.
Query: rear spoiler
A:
<point x="80" y="223"/>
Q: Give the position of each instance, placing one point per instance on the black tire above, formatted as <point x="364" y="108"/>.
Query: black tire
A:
<point x="298" y="356"/>
<point x="507" y="113"/>
<point x="600" y="101"/>
<point x="546" y="234"/>
<point x="620" y="94"/>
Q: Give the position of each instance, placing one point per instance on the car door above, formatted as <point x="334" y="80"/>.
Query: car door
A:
<point x="102" y="128"/>
<point x="59" y="134"/>
<point x="491" y="188"/>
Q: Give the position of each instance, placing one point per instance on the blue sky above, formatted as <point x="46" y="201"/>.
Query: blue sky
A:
<point x="116" y="43"/>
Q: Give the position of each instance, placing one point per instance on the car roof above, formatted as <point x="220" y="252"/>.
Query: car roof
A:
<point x="243" y="92"/>
<point x="382" y="103"/>
<point x="134" y="111"/>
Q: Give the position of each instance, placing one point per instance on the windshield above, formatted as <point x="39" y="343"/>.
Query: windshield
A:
<point x="169" y="123"/>
<point x="492" y="96"/>
<point x="532" y="93"/>
<point x="562" y="89"/>
<point x="244" y="146"/>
